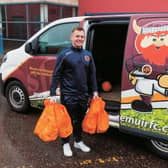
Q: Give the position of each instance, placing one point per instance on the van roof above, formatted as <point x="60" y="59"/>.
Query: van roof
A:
<point x="106" y="15"/>
<point x="102" y="15"/>
<point x="98" y="16"/>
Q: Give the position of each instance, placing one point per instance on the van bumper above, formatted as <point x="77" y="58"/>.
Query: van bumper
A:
<point x="1" y="85"/>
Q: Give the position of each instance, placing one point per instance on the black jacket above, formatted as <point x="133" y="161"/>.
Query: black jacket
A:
<point x="75" y="72"/>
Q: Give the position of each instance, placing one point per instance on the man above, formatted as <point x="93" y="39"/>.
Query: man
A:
<point x="73" y="71"/>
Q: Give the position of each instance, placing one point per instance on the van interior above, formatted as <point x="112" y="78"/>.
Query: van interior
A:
<point x="107" y="43"/>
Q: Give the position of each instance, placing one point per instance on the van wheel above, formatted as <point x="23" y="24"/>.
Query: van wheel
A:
<point x="158" y="147"/>
<point x="17" y="97"/>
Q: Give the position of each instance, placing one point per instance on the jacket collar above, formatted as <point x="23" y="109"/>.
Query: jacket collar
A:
<point x="77" y="49"/>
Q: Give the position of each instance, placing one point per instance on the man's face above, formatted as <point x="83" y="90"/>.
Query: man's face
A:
<point x="77" y="38"/>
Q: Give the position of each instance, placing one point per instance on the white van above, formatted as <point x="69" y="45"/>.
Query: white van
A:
<point x="130" y="52"/>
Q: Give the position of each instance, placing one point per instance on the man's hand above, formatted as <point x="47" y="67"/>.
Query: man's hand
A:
<point x="53" y="99"/>
<point x="58" y="93"/>
<point x="95" y="95"/>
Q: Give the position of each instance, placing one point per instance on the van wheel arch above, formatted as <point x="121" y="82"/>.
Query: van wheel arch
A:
<point x="158" y="147"/>
<point x="17" y="96"/>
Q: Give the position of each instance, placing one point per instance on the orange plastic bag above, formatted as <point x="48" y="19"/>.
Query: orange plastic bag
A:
<point x="46" y="128"/>
<point x="103" y="121"/>
<point x="63" y="121"/>
<point x="102" y="117"/>
<point x="53" y="122"/>
<point x="89" y="122"/>
<point x="96" y="119"/>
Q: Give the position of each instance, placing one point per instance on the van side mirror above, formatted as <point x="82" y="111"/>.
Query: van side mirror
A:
<point x="32" y="47"/>
<point x="28" y="48"/>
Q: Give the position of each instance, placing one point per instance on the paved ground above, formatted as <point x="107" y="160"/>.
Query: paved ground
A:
<point x="20" y="148"/>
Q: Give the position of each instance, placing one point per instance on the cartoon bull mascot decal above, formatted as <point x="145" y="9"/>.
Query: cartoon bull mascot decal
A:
<point x="148" y="70"/>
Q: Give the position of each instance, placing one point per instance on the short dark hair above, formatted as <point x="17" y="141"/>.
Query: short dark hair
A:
<point x="78" y="28"/>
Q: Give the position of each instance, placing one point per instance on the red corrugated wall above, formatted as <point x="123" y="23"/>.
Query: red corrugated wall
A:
<point x="113" y="6"/>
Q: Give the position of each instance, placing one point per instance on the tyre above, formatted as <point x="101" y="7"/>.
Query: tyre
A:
<point x="158" y="147"/>
<point x="17" y="97"/>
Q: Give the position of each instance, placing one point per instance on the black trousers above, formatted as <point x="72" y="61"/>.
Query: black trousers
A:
<point x="76" y="107"/>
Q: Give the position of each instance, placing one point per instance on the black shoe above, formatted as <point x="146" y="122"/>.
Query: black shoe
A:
<point x="141" y="106"/>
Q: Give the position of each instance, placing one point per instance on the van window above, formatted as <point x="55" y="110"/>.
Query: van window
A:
<point x="55" y="39"/>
